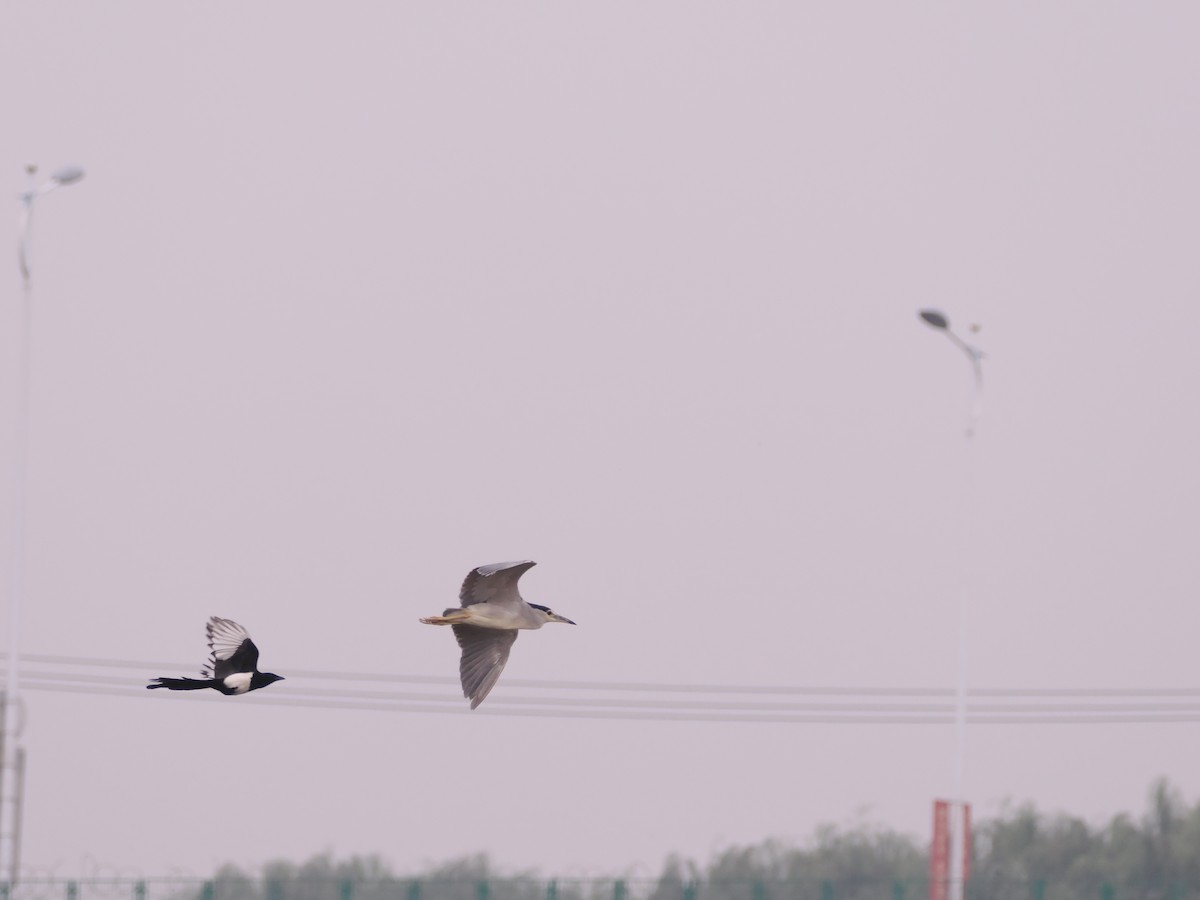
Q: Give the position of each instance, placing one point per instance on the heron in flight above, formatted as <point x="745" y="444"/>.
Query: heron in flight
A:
<point x="487" y="623"/>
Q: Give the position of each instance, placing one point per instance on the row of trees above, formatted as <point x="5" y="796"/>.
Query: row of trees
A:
<point x="1022" y="855"/>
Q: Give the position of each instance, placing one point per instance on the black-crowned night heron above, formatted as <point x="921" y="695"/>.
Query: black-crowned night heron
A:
<point x="487" y="623"/>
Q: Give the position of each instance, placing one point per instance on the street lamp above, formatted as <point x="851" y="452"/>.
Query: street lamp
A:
<point x="61" y="178"/>
<point x="12" y="757"/>
<point x="938" y="321"/>
<point x="958" y="817"/>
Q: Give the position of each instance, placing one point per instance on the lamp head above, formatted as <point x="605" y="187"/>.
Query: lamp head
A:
<point x="935" y="319"/>
<point x="67" y="175"/>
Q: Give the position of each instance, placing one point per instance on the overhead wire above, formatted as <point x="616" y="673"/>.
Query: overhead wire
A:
<point x="847" y="705"/>
<point x="654" y="687"/>
<point x="667" y="715"/>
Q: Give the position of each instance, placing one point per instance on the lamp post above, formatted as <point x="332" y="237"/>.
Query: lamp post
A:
<point x="11" y="756"/>
<point x="958" y="817"/>
<point x="939" y="322"/>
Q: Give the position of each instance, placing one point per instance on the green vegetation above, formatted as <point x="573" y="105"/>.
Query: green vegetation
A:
<point x="1157" y="857"/>
<point x="1022" y="855"/>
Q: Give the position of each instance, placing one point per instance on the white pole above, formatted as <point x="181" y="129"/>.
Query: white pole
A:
<point x="10" y="825"/>
<point x="958" y="804"/>
<point x="958" y="801"/>
<point x="12" y="757"/>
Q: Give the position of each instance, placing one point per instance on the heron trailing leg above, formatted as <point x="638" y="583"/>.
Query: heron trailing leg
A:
<point x="449" y="617"/>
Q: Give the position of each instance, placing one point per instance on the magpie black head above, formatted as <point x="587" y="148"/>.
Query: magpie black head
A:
<point x="265" y="678"/>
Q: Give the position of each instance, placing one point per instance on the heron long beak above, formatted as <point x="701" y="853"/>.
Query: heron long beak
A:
<point x="555" y="617"/>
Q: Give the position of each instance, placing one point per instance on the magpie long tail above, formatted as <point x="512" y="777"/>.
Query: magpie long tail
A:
<point x="180" y="684"/>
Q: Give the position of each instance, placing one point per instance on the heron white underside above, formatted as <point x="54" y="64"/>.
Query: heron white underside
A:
<point x="506" y="617"/>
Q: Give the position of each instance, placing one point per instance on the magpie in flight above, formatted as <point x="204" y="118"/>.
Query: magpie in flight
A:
<point x="232" y="666"/>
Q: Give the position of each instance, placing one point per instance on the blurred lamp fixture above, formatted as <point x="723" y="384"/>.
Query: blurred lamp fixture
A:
<point x="60" y="178"/>
<point x="937" y="320"/>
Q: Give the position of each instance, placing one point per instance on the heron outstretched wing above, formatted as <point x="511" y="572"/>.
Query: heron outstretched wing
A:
<point x="495" y="583"/>
<point x="484" y="653"/>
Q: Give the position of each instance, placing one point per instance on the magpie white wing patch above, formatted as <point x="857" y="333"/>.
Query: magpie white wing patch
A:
<point x="239" y="682"/>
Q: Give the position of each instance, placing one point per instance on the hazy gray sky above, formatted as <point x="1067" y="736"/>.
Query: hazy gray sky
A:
<point x="356" y="297"/>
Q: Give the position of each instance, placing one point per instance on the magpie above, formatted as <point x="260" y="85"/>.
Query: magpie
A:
<point x="232" y="666"/>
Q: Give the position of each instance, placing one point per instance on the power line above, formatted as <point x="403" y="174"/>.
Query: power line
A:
<point x="642" y="687"/>
<point x="457" y="708"/>
<point x="619" y="709"/>
<point x="35" y="680"/>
